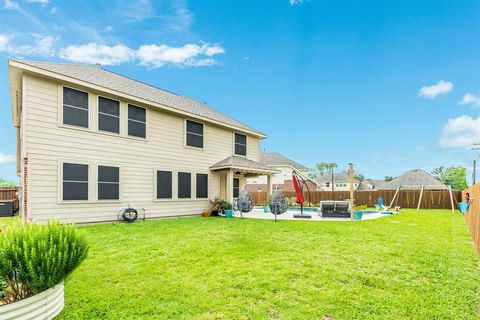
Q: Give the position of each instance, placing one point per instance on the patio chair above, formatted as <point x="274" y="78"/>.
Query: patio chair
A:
<point x="341" y="209"/>
<point x="327" y="208"/>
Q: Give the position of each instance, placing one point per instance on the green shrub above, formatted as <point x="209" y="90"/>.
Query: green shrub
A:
<point x="36" y="257"/>
<point x="227" y="206"/>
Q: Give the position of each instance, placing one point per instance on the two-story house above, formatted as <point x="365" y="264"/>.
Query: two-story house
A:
<point x="283" y="178"/>
<point x="341" y="182"/>
<point x="90" y="142"/>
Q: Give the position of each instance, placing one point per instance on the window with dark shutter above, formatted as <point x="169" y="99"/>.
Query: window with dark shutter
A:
<point x="240" y="144"/>
<point x="75" y="107"/>
<point x="164" y="184"/>
<point x="202" y="185"/>
<point x="108" y="183"/>
<point x="184" y="185"/>
<point x="194" y="134"/>
<point x="75" y="181"/>
<point x="236" y="187"/>
<point x="108" y="115"/>
<point x="137" y="121"/>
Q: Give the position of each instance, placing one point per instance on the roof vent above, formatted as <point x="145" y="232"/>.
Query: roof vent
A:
<point x="98" y="65"/>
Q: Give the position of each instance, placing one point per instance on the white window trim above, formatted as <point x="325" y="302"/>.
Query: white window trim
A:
<point x="208" y="186"/>
<point x="60" y="182"/>
<point x="146" y="122"/>
<point x="234" y="143"/>
<point x="185" y="135"/>
<point x="106" y="114"/>
<point x="120" y="183"/>
<point x="175" y="198"/>
<point x="60" y="108"/>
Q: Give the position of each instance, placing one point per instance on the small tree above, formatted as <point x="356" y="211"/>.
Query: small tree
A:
<point x="452" y="176"/>
<point x="388" y="178"/>
<point x="5" y="183"/>
<point x="358" y="176"/>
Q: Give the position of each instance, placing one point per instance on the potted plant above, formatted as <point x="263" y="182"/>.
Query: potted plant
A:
<point x="228" y="209"/>
<point x="358" y="212"/>
<point x="266" y="207"/>
<point x="216" y="206"/>
<point x="31" y="270"/>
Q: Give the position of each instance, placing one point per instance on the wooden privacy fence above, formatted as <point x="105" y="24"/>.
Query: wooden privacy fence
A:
<point x="472" y="216"/>
<point x="431" y="199"/>
<point x="9" y="193"/>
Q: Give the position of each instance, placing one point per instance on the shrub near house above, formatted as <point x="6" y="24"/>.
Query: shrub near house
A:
<point x="34" y="258"/>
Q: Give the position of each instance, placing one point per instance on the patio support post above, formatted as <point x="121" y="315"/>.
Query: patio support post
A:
<point x="269" y="185"/>
<point x="352" y="201"/>
<point x="229" y="186"/>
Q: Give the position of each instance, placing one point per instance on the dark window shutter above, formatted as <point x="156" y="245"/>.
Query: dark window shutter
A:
<point x="202" y="185"/>
<point x="184" y="185"/>
<point x="164" y="184"/>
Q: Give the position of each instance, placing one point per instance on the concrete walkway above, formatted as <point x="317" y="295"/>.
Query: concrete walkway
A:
<point x="258" y="213"/>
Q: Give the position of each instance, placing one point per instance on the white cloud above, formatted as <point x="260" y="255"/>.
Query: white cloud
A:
<point x="191" y="55"/>
<point x="108" y="29"/>
<point x="295" y="2"/>
<point x="460" y="132"/>
<point x="3" y="42"/>
<point x="10" y="4"/>
<point x="6" y="158"/>
<point x="441" y="87"/>
<point x="469" y="98"/>
<point x="155" y="56"/>
<point x="138" y="10"/>
<point x="94" y="53"/>
<point x="53" y="10"/>
<point x="42" y="46"/>
<point x="42" y="2"/>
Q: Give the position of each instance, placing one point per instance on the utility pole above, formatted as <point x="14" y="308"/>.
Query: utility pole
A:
<point x="333" y="189"/>
<point x="474" y="173"/>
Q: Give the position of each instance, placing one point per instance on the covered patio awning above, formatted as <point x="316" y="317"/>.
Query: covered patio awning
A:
<point x="243" y="165"/>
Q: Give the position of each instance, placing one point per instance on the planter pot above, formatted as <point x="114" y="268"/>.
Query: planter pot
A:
<point x="45" y="305"/>
<point x="266" y="209"/>
<point x="229" y="213"/>
<point x="207" y="213"/>
<point x="357" y="215"/>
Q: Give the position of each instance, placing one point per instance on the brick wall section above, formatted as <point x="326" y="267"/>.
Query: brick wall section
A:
<point x="25" y="189"/>
<point x="287" y="186"/>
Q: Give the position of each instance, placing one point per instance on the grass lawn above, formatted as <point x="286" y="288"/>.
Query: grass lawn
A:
<point x="411" y="265"/>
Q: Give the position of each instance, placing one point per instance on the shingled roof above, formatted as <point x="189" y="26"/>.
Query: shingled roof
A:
<point x="415" y="178"/>
<point x="276" y="159"/>
<point x="113" y="81"/>
<point x="237" y="162"/>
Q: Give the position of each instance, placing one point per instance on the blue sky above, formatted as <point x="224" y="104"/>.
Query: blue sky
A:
<point x="387" y="85"/>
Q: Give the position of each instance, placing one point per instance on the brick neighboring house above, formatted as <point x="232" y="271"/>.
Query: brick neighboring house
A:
<point x="283" y="179"/>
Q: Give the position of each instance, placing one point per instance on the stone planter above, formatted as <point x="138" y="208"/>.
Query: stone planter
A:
<point x="45" y="305"/>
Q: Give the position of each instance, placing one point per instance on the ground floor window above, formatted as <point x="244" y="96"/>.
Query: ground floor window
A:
<point x="164" y="184"/>
<point x="184" y="185"/>
<point x="202" y="185"/>
<point x="108" y="183"/>
<point x="75" y="181"/>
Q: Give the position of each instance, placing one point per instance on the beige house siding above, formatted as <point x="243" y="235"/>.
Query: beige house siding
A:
<point x="48" y="143"/>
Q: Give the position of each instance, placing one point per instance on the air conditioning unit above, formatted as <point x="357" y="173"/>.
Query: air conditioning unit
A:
<point x="6" y="208"/>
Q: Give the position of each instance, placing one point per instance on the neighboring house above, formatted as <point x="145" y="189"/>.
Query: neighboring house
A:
<point x="414" y="179"/>
<point x="341" y="182"/>
<point x="91" y="142"/>
<point x="283" y="179"/>
<point x="370" y="184"/>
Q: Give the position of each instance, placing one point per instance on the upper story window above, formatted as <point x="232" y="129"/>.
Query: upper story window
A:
<point x="75" y="181"/>
<point x="137" y="121"/>
<point x="194" y="134"/>
<point x="240" y="144"/>
<point x="75" y="107"/>
<point x="108" y="183"/>
<point x="108" y="115"/>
